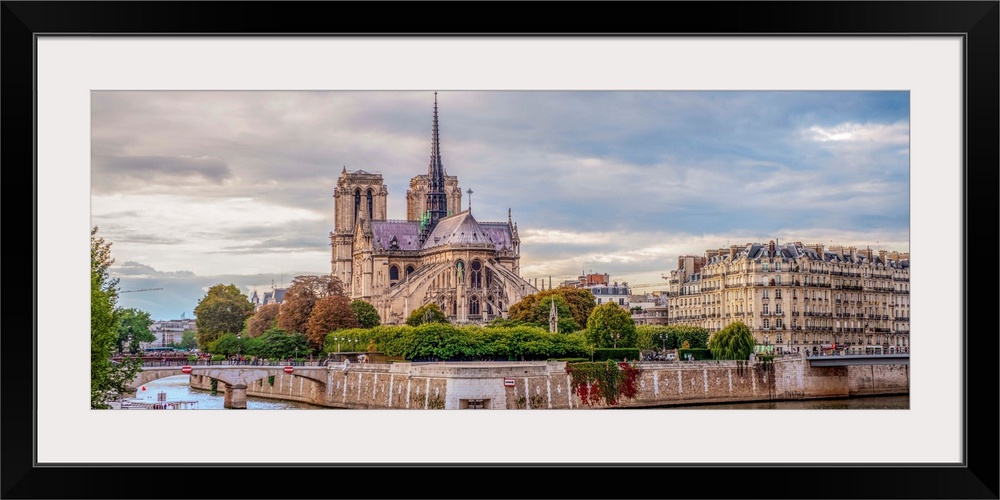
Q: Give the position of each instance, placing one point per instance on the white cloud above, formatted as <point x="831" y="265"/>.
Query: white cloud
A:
<point x="873" y="133"/>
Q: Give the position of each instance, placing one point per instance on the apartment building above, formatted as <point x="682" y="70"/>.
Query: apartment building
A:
<point x="798" y="297"/>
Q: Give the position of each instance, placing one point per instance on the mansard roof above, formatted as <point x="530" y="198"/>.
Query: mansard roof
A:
<point x="405" y="233"/>
<point x="459" y="229"/>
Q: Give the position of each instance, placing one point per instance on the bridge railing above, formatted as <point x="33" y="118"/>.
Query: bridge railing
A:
<point x="231" y="362"/>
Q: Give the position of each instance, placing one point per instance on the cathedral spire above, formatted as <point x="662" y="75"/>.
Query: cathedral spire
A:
<point x="437" y="201"/>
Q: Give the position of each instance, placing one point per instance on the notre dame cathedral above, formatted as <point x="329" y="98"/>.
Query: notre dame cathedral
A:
<point x="440" y="254"/>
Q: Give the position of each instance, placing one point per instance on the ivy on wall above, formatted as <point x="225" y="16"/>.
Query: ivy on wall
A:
<point x="604" y="383"/>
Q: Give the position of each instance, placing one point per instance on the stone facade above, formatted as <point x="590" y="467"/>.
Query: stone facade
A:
<point x="797" y="297"/>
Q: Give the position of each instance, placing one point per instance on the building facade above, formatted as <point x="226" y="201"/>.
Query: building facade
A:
<point x="440" y="254"/>
<point x="799" y="297"/>
<point x="169" y="332"/>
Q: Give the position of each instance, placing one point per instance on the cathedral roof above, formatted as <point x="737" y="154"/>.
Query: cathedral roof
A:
<point x="405" y="233"/>
<point x="499" y="233"/>
<point x="458" y="229"/>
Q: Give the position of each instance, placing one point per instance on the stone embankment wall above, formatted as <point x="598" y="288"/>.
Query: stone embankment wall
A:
<point x="546" y="385"/>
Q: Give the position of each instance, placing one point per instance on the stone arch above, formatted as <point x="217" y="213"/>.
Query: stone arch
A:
<point x="230" y="375"/>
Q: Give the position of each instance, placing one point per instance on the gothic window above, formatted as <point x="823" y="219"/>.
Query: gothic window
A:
<point x="370" y="212"/>
<point x="393" y="273"/>
<point x="477" y="274"/>
<point x="474" y="305"/>
<point x="409" y="270"/>
<point x="357" y="203"/>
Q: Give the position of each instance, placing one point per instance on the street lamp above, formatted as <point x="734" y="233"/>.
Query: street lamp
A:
<point x="338" y="343"/>
<point x="239" y="344"/>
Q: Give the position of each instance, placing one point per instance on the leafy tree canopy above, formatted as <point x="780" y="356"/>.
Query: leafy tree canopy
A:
<point x="278" y="344"/>
<point x="263" y="320"/>
<point x="301" y="297"/>
<point x="189" y="340"/>
<point x="735" y="341"/>
<point x="365" y="313"/>
<point x="133" y="329"/>
<point x="671" y="336"/>
<point x="223" y="309"/>
<point x="330" y="313"/>
<point x="534" y="310"/>
<point x="108" y="380"/>
<point x="429" y="313"/>
<point x="611" y="326"/>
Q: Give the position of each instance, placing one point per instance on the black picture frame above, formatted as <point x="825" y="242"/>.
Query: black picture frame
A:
<point x="977" y="22"/>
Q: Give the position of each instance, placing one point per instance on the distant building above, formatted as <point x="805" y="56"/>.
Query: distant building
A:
<point x="649" y="308"/>
<point x="169" y="332"/>
<point x="275" y="296"/>
<point x="619" y="294"/>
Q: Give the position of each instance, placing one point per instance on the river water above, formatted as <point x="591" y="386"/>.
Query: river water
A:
<point x="178" y="389"/>
<point x="899" y="402"/>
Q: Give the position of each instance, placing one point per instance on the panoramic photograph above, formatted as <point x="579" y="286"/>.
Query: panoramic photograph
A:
<point x="521" y="250"/>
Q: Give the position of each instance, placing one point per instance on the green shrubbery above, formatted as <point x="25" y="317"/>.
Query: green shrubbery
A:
<point x="443" y="341"/>
<point x="602" y="354"/>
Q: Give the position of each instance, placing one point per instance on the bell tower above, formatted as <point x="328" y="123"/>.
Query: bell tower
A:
<point x="357" y="193"/>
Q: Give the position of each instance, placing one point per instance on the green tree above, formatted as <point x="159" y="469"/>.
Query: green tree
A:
<point x="735" y="341"/>
<point x="365" y="313"/>
<point x="277" y="344"/>
<point x="566" y="322"/>
<point x="108" y="380"/>
<point x="223" y="309"/>
<point x="189" y="340"/>
<point x="671" y="336"/>
<point x="572" y="303"/>
<point x="330" y="313"/>
<point x="611" y="326"/>
<point x="429" y="313"/>
<point x="133" y="329"/>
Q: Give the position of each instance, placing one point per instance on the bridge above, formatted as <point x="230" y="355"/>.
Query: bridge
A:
<point x="235" y="376"/>
<point x="860" y="359"/>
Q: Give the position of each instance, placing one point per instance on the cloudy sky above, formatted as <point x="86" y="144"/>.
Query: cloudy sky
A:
<point x="199" y="188"/>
